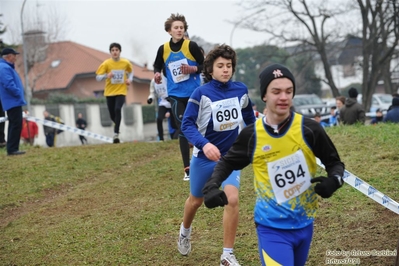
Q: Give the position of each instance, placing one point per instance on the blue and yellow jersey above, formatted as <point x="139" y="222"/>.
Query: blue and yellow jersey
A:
<point x="180" y="85"/>
<point x="283" y="166"/>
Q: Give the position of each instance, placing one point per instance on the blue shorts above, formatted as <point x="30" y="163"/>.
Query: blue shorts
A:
<point x="200" y="172"/>
<point x="284" y="246"/>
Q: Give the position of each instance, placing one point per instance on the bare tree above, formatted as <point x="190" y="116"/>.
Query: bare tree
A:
<point x="299" y="23"/>
<point x="380" y="38"/>
<point x="42" y="28"/>
<point x="2" y="31"/>
<point x="2" y="27"/>
<point x="318" y="24"/>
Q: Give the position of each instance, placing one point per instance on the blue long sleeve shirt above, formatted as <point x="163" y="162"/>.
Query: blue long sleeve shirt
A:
<point x="215" y="112"/>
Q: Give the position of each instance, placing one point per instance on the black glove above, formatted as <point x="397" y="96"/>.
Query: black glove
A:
<point x="213" y="197"/>
<point x="326" y="187"/>
<point x="149" y="100"/>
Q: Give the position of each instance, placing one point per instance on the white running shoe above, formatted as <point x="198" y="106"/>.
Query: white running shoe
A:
<point x="228" y="260"/>
<point x="116" y="138"/>
<point x="186" y="174"/>
<point x="184" y="244"/>
<point x="186" y="177"/>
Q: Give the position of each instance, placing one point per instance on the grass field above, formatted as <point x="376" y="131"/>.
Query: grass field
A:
<point x="123" y="204"/>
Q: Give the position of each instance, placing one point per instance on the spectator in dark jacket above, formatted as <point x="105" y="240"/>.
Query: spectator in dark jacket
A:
<point x="81" y="124"/>
<point x="352" y="112"/>
<point x="379" y="116"/>
<point x="393" y="114"/>
<point x="49" y="131"/>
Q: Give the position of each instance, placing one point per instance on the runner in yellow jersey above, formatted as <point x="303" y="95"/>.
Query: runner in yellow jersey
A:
<point x="282" y="148"/>
<point x="118" y="75"/>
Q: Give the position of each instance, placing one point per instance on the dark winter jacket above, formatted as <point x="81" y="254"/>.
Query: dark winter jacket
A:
<point x="392" y="115"/>
<point x="352" y="112"/>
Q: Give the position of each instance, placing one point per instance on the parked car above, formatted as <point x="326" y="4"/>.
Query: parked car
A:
<point x="309" y="104"/>
<point x="379" y="101"/>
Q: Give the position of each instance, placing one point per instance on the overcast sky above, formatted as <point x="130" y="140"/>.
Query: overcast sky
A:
<point x="137" y="25"/>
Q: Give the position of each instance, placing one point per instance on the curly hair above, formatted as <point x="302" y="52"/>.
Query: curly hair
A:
<point x="224" y="51"/>
<point x="114" y="44"/>
<point x="173" y="18"/>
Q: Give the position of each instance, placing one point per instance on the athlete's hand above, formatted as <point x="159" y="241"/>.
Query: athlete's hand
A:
<point x="326" y="186"/>
<point x="186" y="69"/>
<point x="158" y="78"/>
<point x="127" y="81"/>
<point x="110" y="75"/>
<point x="213" y="197"/>
<point x="149" y="100"/>
<point x="211" y="152"/>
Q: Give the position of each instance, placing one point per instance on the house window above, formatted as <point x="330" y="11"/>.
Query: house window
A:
<point x="349" y="70"/>
<point x="55" y="63"/>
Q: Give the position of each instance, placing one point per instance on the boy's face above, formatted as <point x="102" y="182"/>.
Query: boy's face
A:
<point x="339" y="104"/>
<point x="278" y="96"/>
<point x="115" y="53"/>
<point x="177" y="30"/>
<point x="222" y="69"/>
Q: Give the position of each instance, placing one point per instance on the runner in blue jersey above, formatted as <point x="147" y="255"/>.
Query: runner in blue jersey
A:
<point x="181" y="61"/>
<point x="282" y="148"/>
<point x="211" y="123"/>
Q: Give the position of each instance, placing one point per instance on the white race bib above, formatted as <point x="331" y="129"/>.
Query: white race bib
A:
<point x="175" y="70"/>
<point x="160" y="90"/>
<point x="289" y="176"/>
<point x="226" y="114"/>
<point x="119" y="76"/>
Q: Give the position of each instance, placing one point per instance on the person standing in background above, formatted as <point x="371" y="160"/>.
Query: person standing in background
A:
<point x="339" y="102"/>
<point x="12" y="99"/>
<point x="159" y="92"/>
<point x="118" y="75"/>
<point x="352" y="112"/>
<point x="2" y="128"/>
<point x="181" y="62"/>
<point x="379" y="116"/>
<point x="393" y="114"/>
<point x="49" y="132"/>
<point x="30" y="130"/>
<point x="81" y="124"/>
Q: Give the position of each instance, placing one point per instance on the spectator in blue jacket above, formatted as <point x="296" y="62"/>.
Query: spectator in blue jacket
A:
<point x="393" y="114"/>
<point x="12" y="99"/>
<point x="2" y="135"/>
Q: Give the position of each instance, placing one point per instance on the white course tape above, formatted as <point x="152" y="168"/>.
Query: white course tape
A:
<point x="368" y="190"/>
<point x="3" y="119"/>
<point x="64" y="127"/>
<point x="69" y="129"/>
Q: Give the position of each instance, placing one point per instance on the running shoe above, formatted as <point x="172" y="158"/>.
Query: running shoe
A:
<point x="228" y="260"/>
<point x="116" y="138"/>
<point x="184" y="244"/>
<point x="186" y="174"/>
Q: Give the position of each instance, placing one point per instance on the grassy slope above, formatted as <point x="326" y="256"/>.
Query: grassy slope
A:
<point x="122" y="205"/>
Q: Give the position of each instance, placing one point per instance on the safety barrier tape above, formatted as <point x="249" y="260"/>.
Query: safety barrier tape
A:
<point x="64" y="128"/>
<point x="368" y="190"/>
